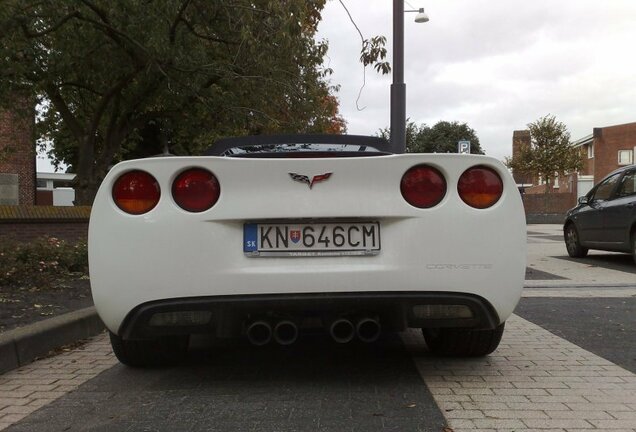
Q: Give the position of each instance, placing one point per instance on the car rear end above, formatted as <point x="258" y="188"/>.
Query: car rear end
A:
<point x="413" y="240"/>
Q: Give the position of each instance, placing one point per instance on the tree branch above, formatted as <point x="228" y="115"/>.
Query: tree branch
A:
<point x="117" y="36"/>
<point x="36" y="34"/>
<point x="71" y="121"/>
<point x="178" y="18"/>
<point x="106" y="98"/>
<point x="80" y="86"/>
<point x="206" y="37"/>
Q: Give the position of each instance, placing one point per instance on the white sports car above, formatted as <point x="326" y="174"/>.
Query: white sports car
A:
<point x="269" y="237"/>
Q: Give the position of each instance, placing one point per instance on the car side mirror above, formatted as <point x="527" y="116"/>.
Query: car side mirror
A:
<point x="583" y="200"/>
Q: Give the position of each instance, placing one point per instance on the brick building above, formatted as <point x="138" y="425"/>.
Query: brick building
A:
<point x="17" y="156"/>
<point x="605" y="150"/>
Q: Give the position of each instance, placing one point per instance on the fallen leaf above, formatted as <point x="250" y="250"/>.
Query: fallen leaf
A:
<point x="411" y="405"/>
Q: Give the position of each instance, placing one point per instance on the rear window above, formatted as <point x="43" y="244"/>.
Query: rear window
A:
<point x="301" y="145"/>
<point x="298" y="147"/>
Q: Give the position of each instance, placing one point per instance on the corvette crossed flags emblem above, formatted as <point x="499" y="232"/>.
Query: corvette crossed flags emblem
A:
<point x="309" y="182"/>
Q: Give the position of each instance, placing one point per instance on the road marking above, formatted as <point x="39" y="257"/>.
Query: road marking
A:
<point x="579" y="292"/>
<point x="30" y="387"/>
<point x="535" y="380"/>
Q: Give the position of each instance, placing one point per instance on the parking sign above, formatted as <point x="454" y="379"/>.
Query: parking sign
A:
<point x="463" y="147"/>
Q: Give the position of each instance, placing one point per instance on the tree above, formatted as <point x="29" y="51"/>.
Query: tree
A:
<point x="549" y="153"/>
<point x="113" y="75"/>
<point x="441" y="138"/>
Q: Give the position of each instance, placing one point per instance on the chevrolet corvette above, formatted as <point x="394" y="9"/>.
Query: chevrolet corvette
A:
<point x="272" y="237"/>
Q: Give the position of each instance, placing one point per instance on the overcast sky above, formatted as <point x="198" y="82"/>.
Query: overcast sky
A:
<point x="496" y="65"/>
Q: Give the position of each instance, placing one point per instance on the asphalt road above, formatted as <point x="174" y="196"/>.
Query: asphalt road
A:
<point x="604" y="326"/>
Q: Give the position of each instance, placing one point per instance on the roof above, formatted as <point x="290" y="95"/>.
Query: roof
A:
<point x="583" y="141"/>
<point x="55" y="176"/>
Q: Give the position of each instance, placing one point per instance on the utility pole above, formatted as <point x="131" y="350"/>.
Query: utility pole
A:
<point x="398" y="88"/>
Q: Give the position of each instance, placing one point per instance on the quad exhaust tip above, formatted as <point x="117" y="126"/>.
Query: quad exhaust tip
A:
<point x="259" y="333"/>
<point x="285" y="332"/>
<point x="342" y="330"/>
<point x="368" y="330"/>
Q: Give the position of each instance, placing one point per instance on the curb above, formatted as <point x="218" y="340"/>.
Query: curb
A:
<point x="23" y="345"/>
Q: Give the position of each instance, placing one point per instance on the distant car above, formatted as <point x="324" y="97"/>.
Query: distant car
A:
<point x="268" y="237"/>
<point x="605" y="218"/>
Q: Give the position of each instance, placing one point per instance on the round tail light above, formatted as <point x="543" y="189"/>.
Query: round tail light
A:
<point x="136" y="192"/>
<point x="196" y="190"/>
<point x="423" y="186"/>
<point x="480" y="187"/>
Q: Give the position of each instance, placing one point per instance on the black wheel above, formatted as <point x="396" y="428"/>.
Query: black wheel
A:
<point x="572" y="243"/>
<point x="463" y="342"/>
<point x="165" y="351"/>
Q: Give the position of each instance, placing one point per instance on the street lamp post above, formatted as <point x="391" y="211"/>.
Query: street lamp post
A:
<point x="398" y="87"/>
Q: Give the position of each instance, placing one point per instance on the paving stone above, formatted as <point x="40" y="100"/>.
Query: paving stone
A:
<point x="564" y="387"/>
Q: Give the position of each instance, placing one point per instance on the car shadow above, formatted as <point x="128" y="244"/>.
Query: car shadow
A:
<point x="620" y="262"/>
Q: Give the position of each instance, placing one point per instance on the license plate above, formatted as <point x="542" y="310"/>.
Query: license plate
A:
<point x="311" y="239"/>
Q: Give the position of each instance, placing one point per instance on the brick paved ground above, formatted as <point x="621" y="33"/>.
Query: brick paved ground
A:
<point x="24" y="390"/>
<point x="534" y="381"/>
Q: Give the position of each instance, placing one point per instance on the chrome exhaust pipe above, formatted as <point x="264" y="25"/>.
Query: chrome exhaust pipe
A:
<point x="368" y="329"/>
<point x="259" y="333"/>
<point x="342" y="330"/>
<point x="285" y="332"/>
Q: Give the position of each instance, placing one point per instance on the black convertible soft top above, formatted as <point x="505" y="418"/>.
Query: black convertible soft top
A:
<point x="258" y="145"/>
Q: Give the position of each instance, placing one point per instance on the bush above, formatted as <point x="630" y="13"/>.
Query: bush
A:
<point x="41" y="262"/>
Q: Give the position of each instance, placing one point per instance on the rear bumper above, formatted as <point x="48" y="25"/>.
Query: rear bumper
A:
<point x="229" y="314"/>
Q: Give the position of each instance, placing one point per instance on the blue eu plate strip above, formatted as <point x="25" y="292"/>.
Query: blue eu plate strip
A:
<point x="250" y="243"/>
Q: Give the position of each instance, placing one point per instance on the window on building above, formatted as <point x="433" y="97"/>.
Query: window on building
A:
<point x="625" y="157"/>
<point x="41" y="184"/>
<point x="590" y="151"/>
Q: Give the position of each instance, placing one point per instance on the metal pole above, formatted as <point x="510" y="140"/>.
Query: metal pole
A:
<point x="398" y="88"/>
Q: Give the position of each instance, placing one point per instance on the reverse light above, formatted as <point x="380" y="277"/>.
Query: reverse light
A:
<point x="196" y="190"/>
<point x="423" y="186"/>
<point x="181" y="318"/>
<point x="441" y="311"/>
<point x="480" y="187"/>
<point x="136" y="192"/>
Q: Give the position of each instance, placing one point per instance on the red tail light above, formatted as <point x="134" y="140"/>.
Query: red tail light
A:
<point x="196" y="190"/>
<point x="480" y="187"/>
<point x="423" y="186"/>
<point x="136" y="192"/>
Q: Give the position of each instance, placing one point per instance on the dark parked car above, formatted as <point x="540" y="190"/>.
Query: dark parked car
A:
<point x="605" y="218"/>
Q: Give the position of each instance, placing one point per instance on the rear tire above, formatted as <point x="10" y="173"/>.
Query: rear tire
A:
<point x="573" y="243"/>
<point x="463" y="342"/>
<point x="165" y="351"/>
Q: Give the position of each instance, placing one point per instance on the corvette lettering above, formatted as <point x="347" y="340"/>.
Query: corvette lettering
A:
<point x="309" y="182"/>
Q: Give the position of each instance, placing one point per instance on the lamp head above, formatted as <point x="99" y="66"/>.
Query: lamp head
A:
<point x="421" y="16"/>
